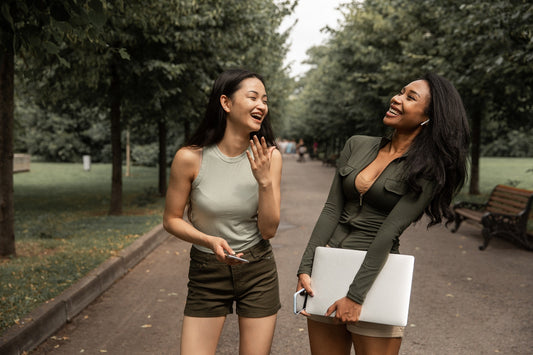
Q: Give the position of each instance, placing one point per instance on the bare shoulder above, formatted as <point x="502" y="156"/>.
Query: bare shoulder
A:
<point x="276" y="162"/>
<point x="276" y="156"/>
<point x="188" y="159"/>
<point x="189" y="154"/>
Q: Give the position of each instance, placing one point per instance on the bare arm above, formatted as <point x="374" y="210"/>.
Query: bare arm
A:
<point x="183" y="171"/>
<point x="266" y="166"/>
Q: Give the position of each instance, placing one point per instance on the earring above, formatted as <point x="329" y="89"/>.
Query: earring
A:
<point x="425" y="122"/>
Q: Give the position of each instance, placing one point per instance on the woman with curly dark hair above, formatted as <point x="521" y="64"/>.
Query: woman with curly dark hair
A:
<point x="382" y="185"/>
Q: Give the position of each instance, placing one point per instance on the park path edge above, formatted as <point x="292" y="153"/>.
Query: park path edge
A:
<point x="49" y="317"/>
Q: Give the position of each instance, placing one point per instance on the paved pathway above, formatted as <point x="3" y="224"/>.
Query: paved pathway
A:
<point x="464" y="301"/>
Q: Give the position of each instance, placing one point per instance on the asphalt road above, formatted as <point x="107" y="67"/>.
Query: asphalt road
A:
<point x="464" y="301"/>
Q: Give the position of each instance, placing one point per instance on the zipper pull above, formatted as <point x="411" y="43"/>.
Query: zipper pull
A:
<point x="360" y="199"/>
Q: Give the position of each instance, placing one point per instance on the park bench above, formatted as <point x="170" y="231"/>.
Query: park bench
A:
<point x="505" y="214"/>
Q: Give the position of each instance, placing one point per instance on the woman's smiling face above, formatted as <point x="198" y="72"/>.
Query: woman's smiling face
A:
<point x="408" y="108"/>
<point x="247" y="107"/>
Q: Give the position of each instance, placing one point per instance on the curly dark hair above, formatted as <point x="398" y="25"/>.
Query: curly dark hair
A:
<point x="440" y="152"/>
<point x="211" y="129"/>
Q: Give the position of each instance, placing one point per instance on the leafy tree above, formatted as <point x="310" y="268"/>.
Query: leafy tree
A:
<point x="175" y="49"/>
<point x="32" y="27"/>
<point x="483" y="47"/>
<point x="153" y="61"/>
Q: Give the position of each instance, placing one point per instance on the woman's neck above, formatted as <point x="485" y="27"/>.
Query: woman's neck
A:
<point x="233" y="144"/>
<point x="400" y="143"/>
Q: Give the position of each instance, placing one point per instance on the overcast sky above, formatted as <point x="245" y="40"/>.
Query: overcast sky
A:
<point x="312" y="16"/>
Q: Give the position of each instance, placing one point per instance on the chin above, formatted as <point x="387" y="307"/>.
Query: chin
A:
<point x="256" y="127"/>
<point x="388" y="122"/>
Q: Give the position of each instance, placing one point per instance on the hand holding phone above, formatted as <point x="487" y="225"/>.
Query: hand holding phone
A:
<point x="237" y="258"/>
<point x="298" y="296"/>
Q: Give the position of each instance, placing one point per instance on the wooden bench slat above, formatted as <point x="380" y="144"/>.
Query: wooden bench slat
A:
<point x="506" y="202"/>
<point x="518" y="199"/>
<point x="475" y="215"/>
<point x="501" y="211"/>
<point x="499" y="208"/>
<point x="513" y="190"/>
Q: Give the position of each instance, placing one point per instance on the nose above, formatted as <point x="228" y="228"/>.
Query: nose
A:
<point x="262" y="106"/>
<point x="395" y="99"/>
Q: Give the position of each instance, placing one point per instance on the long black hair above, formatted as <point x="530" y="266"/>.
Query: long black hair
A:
<point x="440" y="152"/>
<point x="211" y="129"/>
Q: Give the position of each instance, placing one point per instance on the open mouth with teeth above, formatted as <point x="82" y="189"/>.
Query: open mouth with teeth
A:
<point x="257" y="116"/>
<point x="393" y="112"/>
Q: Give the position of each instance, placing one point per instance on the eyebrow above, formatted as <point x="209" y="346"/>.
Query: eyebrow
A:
<point x="413" y="92"/>
<point x="255" y="92"/>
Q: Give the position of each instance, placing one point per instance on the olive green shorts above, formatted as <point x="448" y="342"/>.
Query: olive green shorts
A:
<point x="215" y="286"/>
<point x="366" y="328"/>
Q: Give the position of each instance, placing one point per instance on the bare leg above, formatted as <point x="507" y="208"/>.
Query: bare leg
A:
<point x="328" y="339"/>
<point x="365" y="345"/>
<point x="199" y="336"/>
<point x="256" y="335"/>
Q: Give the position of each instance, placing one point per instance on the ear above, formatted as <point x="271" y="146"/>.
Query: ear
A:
<point x="225" y="102"/>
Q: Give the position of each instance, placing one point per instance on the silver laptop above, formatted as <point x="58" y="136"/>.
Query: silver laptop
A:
<point x="387" y="301"/>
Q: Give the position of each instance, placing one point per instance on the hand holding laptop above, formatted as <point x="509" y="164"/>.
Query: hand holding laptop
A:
<point x="387" y="302"/>
<point x="346" y="310"/>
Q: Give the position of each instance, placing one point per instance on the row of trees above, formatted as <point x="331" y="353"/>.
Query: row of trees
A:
<point x="484" y="47"/>
<point x="146" y="65"/>
<point x="89" y="70"/>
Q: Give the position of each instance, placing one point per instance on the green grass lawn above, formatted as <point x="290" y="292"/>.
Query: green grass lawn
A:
<point x="62" y="229"/>
<point x="507" y="171"/>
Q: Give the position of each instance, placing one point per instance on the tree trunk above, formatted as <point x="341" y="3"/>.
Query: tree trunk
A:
<point x="7" y="210"/>
<point x="162" y="130"/>
<point x="128" y="152"/>
<point x="116" y="149"/>
<point x="476" y="141"/>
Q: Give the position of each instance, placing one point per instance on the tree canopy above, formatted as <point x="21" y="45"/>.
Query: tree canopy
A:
<point x="142" y="64"/>
<point x="88" y="70"/>
<point x="483" y="47"/>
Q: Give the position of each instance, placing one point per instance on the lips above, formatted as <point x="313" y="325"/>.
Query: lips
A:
<point x="393" y="111"/>
<point x="257" y="116"/>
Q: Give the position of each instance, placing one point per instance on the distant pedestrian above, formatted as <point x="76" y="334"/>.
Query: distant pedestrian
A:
<point x="382" y="185"/>
<point x="231" y="186"/>
<point x="315" y="150"/>
<point x="301" y="149"/>
<point x="291" y="147"/>
<point x="282" y="145"/>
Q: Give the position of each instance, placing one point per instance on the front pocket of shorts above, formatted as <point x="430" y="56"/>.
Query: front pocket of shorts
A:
<point x="266" y="254"/>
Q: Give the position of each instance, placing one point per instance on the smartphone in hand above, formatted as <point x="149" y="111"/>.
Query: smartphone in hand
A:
<point x="300" y="301"/>
<point x="237" y="258"/>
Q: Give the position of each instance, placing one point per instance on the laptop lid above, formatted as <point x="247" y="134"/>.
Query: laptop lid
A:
<point x="387" y="301"/>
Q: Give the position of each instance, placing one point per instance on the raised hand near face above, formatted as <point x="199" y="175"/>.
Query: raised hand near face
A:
<point x="260" y="161"/>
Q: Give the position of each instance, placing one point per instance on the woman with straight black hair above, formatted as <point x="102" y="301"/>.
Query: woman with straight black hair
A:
<point x="229" y="175"/>
<point x="382" y="185"/>
<point x="212" y="128"/>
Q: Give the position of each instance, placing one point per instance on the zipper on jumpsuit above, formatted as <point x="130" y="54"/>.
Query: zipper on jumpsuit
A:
<point x="362" y="193"/>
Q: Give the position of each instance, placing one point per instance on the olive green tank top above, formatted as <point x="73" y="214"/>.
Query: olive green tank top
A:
<point x="224" y="200"/>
